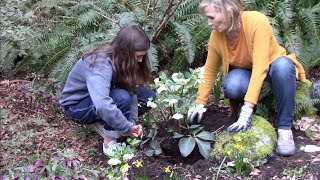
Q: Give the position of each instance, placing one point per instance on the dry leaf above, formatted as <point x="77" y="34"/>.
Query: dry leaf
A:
<point x="5" y="82"/>
<point x="230" y="164"/>
<point x="255" y="172"/>
<point x="316" y="159"/>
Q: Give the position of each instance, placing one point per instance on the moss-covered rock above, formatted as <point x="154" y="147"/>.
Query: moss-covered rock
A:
<point x="257" y="142"/>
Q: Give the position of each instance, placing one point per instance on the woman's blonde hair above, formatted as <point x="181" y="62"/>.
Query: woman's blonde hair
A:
<point x="231" y="10"/>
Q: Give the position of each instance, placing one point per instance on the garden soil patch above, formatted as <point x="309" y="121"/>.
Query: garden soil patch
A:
<point x="54" y="132"/>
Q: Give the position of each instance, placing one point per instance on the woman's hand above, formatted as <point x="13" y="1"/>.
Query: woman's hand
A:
<point x="244" y="120"/>
<point x="136" y="131"/>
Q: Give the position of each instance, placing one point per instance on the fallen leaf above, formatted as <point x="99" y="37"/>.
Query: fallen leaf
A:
<point x="5" y="82"/>
<point x="316" y="159"/>
<point x="255" y="172"/>
<point x="230" y="164"/>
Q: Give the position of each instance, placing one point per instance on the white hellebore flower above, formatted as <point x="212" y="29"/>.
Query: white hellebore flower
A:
<point x="127" y="157"/>
<point x="151" y="104"/>
<point x="156" y="80"/>
<point x="114" y="161"/>
<point x="179" y="81"/>
<point x="161" y="88"/>
<point x="171" y="101"/>
<point x="177" y="116"/>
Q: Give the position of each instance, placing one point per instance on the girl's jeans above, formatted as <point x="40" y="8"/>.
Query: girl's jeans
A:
<point x="282" y="77"/>
<point x="84" y="111"/>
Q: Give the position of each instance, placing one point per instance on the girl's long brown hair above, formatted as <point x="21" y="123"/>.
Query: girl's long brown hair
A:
<point x="127" y="72"/>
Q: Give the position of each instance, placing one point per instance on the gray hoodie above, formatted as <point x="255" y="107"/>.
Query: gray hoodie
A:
<point x="95" y="81"/>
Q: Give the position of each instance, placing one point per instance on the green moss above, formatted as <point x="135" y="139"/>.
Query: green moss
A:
<point x="257" y="142"/>
<point x="303" y="89"/>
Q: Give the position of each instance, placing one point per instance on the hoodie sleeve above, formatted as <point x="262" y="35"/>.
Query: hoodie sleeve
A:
<point x="98" y="83"/>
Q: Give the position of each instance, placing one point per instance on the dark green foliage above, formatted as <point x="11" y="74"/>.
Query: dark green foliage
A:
<point x="296" y="25"/>
<point x="15" y="33"/>
<point x="303" y="103"/>
<point x="69" y="28"/>
<point x="179" y="33"/>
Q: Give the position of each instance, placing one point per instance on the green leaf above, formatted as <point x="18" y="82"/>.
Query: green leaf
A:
<point x="205" y="135"/>
<point x="196" y="131"/>
<point x="154" y="148"/>
<point x="158" y="151"/>
<point x="149" y="151"/>
<point x="177" y="135"/>
<point x="194" y="126"/>
<point x="246" y="169"/>
<point x="204" y="147"/>
<point x="124" y="168"/>
<point x="186" y="145"/>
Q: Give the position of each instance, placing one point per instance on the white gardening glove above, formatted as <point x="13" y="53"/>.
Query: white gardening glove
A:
<point x="244" y="120"/>
<point x="195" y="113"/>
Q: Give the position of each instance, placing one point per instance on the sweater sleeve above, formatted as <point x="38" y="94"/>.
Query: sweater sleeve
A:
<point x="98" y="84"/>
<point x="262" y="34"/>
<point x="211" y="69"/>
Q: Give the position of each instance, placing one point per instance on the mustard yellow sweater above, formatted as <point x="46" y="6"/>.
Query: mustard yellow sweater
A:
<point x="263" y="49"/>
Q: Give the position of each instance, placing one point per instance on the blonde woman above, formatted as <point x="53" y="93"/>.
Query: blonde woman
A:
<point x="244" y="44"/>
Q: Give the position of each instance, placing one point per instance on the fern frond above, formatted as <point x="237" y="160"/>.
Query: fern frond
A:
<point x="7" y="55"/>
<point x="153" y="58"/>
<point x="188" y="9"/>
<point x="185" y="39"/>
<point x="311" y="20"/>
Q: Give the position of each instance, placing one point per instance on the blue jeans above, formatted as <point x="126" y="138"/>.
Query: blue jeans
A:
<point x="84" y="111"/>
<point x="282" y="77"/>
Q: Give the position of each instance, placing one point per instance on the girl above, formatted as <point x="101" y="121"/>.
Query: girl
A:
<point x="243" y="42"/>
<point x="105" y="85"/>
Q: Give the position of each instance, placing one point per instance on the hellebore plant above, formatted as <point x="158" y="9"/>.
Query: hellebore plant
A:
<point x="195" y="135"/>
<point x="118" y="162"/>
<point x="154" y="147"/>
<point x="177" y="93"/>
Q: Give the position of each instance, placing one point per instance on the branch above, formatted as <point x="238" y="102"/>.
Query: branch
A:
<point x="99" y="11"/>
<point x="168" y="13"/>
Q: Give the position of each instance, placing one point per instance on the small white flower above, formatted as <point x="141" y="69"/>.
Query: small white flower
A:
<point x="156" y="80"/>
<point x="127" y="157"/>
<point x="175" y="77"/>
<point x="114" y="161"/>
<point x="180" y="81"/>
<point x="161" y="88"/>
<point x="171" y="101"/>
<point x="151" y="104"/>
<point x="177" y="116"/>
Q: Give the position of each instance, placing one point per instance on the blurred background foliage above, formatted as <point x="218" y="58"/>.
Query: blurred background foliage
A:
<point x="48" y="37"/>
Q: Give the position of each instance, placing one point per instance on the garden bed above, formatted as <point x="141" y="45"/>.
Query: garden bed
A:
<point x="26" y="131"/>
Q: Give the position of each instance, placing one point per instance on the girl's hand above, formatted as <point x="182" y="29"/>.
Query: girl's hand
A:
<point x="136" y="131"/>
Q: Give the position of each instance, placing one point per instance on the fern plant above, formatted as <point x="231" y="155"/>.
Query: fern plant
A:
<point x="296" y="25"/>
<point x="15" y="31"/>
